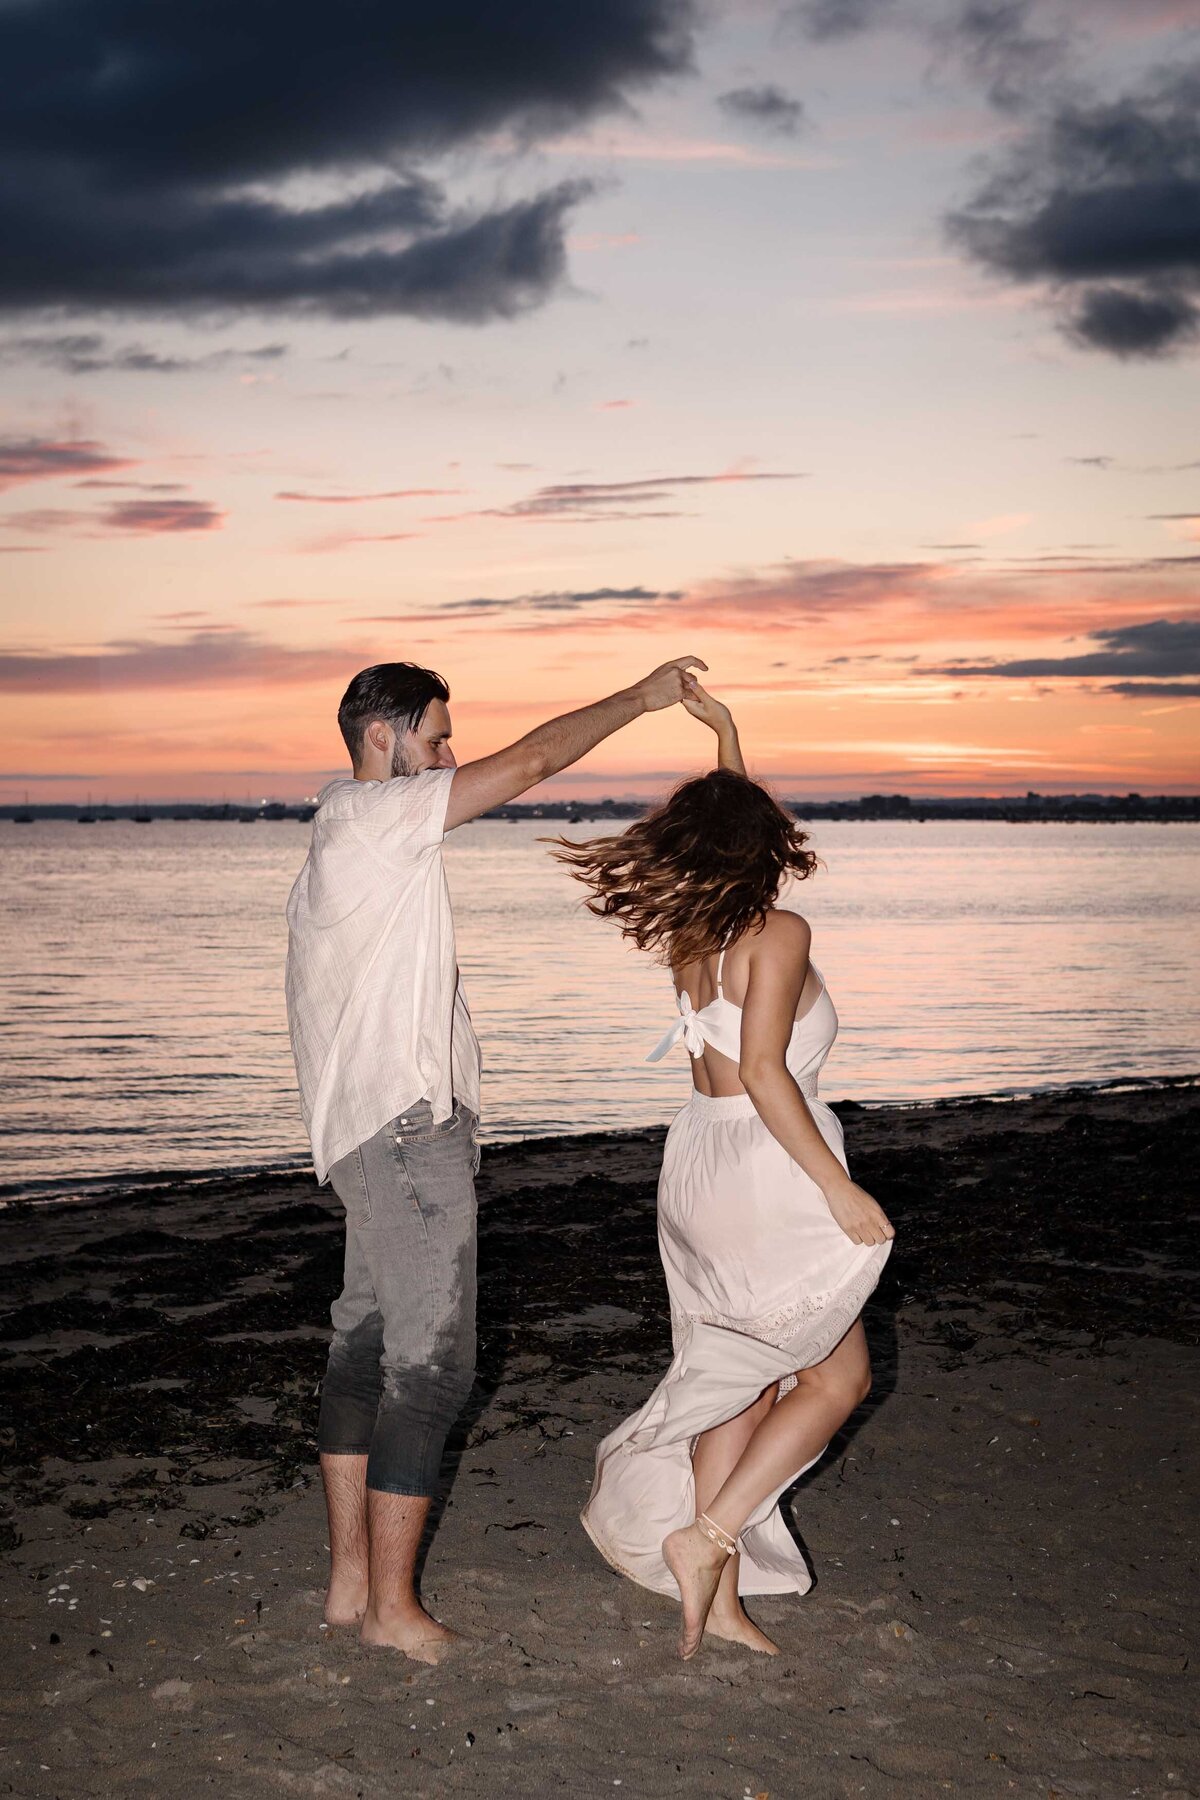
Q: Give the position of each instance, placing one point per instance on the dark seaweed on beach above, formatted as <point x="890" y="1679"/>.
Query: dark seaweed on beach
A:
<point x="152" y="1363"/>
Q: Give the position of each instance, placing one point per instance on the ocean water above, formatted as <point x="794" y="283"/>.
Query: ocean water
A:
<point x="142" y="1022"/>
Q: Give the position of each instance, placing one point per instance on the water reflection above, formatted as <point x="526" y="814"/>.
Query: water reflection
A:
<point x="143" y="1021"/>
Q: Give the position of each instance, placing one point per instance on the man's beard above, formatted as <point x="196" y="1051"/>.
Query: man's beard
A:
<point x="400" y="762"/>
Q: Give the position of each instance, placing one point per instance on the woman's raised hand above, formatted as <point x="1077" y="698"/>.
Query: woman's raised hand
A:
<point x="716" y="715"/>
<point x="862" y="1219"/>
<point x="704" y="706"/>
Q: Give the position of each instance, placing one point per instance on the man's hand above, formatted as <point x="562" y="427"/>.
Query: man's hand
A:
<point x="667" y="685"/>
<point x="549" y="748"/>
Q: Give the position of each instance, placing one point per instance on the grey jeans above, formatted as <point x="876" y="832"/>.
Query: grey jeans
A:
<point x="402" y="1360"/>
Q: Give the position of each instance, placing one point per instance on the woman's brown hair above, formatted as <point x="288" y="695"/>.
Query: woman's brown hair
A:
<point x="695" y="873"/>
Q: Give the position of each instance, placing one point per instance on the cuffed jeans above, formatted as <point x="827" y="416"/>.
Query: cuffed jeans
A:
<point x="402" y="1360"/>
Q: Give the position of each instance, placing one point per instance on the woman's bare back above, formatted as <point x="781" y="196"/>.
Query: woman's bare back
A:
<point x="713" y="1073"/>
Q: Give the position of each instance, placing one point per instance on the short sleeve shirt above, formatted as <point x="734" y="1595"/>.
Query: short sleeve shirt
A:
<point x="376" y="1009"/>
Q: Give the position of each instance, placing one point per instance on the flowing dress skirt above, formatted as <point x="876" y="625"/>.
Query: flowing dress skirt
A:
<point x="762" y="1282"/>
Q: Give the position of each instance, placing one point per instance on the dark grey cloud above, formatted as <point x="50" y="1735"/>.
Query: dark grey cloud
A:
<point x="768" y="106"/>
<point x="1155" y="690"/>
<point x="998" y="44"/>
<point x="611" y="600"/>
<point x="88" y="353"/>
<point x="1132" y="323"/>
<point x="577" y="502"/>
<point x="1155" y="647"/>
<point x="49" y="459"/>
<point x="157" y="156"/>
<point x="824" y="21"/>
<point x="173" y="250"/>
<point x="566" y="600"/>
<point x="1100" y="203"/>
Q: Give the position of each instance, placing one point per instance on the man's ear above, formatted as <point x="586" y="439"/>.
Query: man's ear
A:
<point x="377" y="736"/>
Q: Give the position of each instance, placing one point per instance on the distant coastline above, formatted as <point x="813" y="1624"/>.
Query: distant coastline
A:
<point x="1031" y="808"/>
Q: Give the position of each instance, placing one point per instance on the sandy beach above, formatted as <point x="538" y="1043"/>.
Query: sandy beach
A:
<point x="1001" y="1537"/>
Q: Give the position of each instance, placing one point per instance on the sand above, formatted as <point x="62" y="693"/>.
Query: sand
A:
<point x="1001" y="1535"/>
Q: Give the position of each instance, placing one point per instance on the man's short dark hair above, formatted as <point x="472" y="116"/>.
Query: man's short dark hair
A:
<point x="398" y="693"/>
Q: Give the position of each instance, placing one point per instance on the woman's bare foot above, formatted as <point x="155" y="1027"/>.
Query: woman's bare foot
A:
<point x="697" y="1565"/>
<point x="413" y="1632"/>
<point x="737" y="1628"/>
<point x="345" y="1600"/>
<point x="728" y="1620"/>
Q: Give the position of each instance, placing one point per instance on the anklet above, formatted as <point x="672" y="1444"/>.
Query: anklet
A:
<point x="721" y="1538"/>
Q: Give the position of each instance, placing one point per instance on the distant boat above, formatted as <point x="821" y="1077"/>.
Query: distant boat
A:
<point x="140" y="815"/>
<point x="87" y="816"/>
<point x="23" y="816"/>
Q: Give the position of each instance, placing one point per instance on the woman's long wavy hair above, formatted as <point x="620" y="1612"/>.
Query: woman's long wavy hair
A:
<point x="697" y="872"/>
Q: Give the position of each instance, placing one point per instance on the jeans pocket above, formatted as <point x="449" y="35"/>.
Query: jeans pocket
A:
<point x="349" y="1179"/>
<point x="417" y="1126"/>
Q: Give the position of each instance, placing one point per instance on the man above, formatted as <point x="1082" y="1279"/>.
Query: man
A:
<point x="388" y="1069"/>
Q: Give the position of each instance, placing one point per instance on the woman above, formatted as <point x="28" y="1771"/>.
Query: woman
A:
<point x="769" y="1248"/>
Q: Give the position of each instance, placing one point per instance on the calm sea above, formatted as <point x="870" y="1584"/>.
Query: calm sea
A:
<point x="143" y="1024"/>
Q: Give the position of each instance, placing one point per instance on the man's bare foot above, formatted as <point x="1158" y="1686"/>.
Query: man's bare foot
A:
<point x="736" y="1628"/>
<point x="413" y="1632"/>
<point x="345" y="1600"/>
<point x="697" y="1565"/>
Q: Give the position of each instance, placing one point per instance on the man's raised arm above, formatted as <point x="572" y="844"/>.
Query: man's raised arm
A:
<point x="542" y="752"/>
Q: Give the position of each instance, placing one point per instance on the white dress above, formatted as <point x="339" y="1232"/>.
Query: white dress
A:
<point x="762" y="1282"/>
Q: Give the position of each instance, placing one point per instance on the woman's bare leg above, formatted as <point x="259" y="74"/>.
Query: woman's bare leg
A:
<point x="715" y="1457"/>
<point x="791" y="1434"/>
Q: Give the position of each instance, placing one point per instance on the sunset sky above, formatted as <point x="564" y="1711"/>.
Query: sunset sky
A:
<point x="850" y="345"/>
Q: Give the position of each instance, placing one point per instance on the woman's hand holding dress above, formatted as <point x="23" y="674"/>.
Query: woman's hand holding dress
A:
<point x="862" y="1219"/>
<point x="777" y="974"/>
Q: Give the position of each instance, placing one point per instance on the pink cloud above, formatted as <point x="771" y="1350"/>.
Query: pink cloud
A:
<point x="361" y="499"/>
<point x="125" y="518"/>
<point x="214" y="657"/>
<point x="49" y="459"/>
<point x="339" y="541"/>
<point x="290" y="605"/>
<point x="150" y="517"/>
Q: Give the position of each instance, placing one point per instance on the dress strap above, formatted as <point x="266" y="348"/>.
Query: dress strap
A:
<point x="720" y="967"/>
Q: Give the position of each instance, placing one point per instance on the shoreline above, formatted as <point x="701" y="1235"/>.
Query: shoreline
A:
<point x="999" y="1534"/>
<point x="19" y="1198"/>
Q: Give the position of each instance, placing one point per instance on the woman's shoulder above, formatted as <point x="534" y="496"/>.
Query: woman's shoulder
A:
<point x="786" y="926"/>
<point x="783" y="935"/>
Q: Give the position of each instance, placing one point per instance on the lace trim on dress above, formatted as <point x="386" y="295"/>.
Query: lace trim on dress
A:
<point x="836" y="1312"/>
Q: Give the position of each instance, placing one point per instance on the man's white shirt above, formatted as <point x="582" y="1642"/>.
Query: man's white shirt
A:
<point x="376" y="1009"/>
